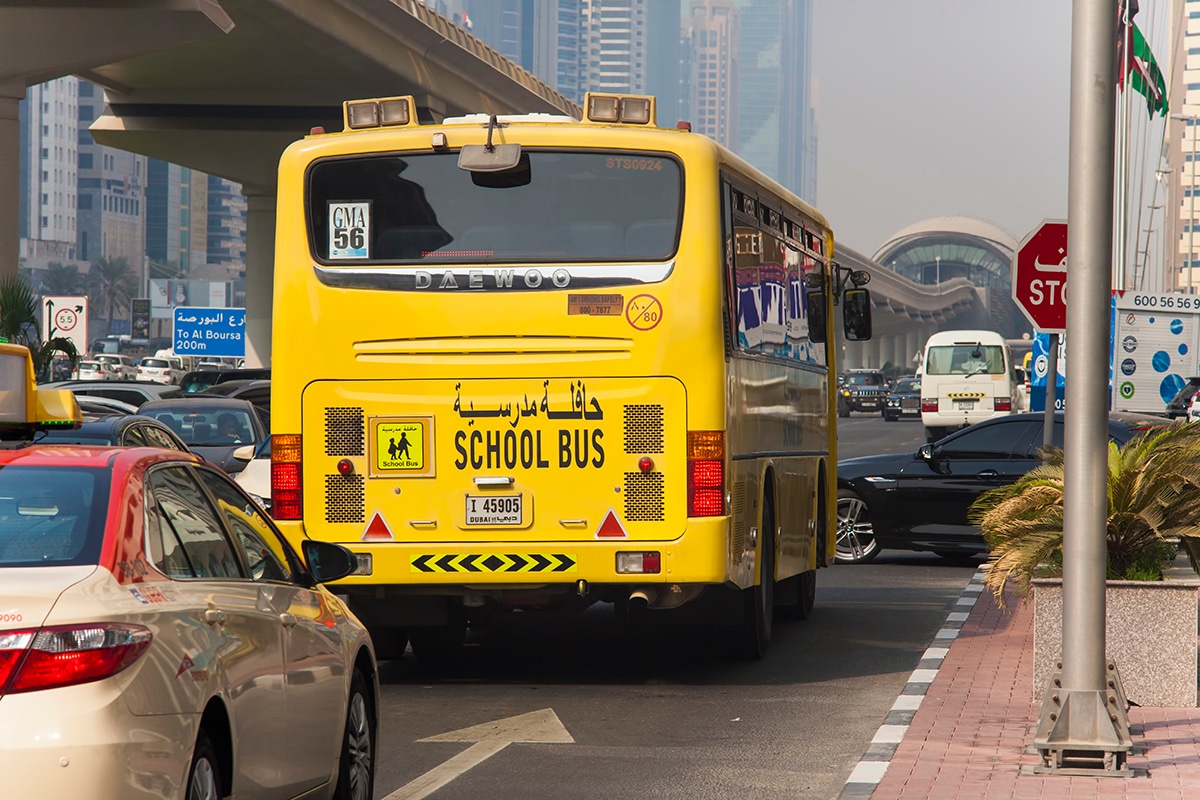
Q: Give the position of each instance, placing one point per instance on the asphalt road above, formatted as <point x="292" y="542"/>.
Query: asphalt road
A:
<point x="595" y="711"/>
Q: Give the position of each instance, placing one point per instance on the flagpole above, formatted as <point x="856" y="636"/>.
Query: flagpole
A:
<point x="1121" y="276"/>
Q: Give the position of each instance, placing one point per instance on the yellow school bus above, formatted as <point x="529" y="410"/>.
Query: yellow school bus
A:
<point x="523" y="364"/>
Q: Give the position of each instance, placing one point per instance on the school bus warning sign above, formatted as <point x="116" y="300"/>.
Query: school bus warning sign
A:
<point x="402" y="446"/>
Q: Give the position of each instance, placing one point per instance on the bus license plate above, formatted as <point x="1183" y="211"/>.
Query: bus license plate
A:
<point x="964" y="405"/>
<point x="495" y="509"/>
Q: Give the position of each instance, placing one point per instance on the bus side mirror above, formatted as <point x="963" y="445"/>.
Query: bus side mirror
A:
<point x="856" y="314"/>
<point x="815" y="300"/>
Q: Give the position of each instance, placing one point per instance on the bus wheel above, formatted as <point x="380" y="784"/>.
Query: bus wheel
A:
<point x="752" y="638"/>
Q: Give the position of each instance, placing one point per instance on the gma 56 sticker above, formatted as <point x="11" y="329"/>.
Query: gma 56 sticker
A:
<point x="402" y="446"/>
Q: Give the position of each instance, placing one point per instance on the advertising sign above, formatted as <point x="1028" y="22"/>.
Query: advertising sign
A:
<point x="139" y="320"/>
<point x="1155" y="344"/>
<point x="215" y="332"/>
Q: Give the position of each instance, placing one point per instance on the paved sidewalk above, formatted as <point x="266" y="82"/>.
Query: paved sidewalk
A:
<point x="963" y="725"/>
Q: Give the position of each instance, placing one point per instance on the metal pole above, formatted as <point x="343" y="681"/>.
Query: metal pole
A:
<point x="1051" y="390"/>
<point x="1077" y="724"/>
<point x="1192" y="213"/>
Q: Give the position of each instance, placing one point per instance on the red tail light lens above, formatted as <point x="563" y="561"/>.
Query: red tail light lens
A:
<point x="67" y="655"/>
<point x="929" y="404"/>
<point x="287" y="493"/>
<point x="706" y="473"/>
<point x="1003" y="403"/>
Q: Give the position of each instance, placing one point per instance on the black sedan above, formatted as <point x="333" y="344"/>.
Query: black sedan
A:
<point x="116" y="429"/>
<point x="903" y="400"/>
<point x="211" y="427"/>
<point x="919" y="501"/>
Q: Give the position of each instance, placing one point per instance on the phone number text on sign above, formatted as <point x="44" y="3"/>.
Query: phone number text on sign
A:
<point x="1173" y="302"/>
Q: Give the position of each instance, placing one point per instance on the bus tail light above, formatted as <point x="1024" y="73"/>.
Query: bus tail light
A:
<point x="649" y="563"/>
<point x="1003" y="403"/>
<point x="929" y="404"/>
<point x="706" y="473"/>
<point x="287" y="489"/>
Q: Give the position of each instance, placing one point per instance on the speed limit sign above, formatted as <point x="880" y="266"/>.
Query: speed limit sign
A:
<point x="65" y="320"/>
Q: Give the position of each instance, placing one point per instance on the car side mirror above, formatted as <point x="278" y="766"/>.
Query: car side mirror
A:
<point x="925" y="454"/>
<point x="244" y="453"/>
<point x="328" y="561"/>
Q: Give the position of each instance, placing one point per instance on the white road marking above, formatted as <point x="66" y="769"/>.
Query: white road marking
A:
<point x="541" y="727"/>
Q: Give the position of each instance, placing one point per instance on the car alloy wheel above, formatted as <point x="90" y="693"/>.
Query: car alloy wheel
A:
<point x="203" y="780"/>
<point x="356" y="775"/>
<point x="855" y="534"/>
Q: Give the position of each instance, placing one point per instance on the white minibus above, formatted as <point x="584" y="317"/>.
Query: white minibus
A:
<point x="967" y="376"/>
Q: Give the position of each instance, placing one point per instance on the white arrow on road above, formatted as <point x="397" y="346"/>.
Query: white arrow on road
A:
<point x="536" y="727"/>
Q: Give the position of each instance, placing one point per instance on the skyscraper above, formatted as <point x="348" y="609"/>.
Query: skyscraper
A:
<point x="47" y="220"/>
<point x="614" y="46"/>
<point x="712" y="37"/>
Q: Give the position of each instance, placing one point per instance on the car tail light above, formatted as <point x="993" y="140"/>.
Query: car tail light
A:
<point x="287" y="491"/>
<point x="706" y="473"/>
<point x="1002" y="403"/>
<point x="66" y="655"/>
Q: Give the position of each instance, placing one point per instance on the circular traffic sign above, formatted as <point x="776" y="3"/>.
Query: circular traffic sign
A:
<point x="65" y="319"/>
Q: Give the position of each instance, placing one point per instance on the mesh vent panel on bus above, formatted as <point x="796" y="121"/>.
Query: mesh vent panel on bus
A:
<point x="344" y="432"/>
<point x="738" y="511"/>
<point x="644" y="497"/>
<point x="643" y="429"/>
<point x="345" y="498"/>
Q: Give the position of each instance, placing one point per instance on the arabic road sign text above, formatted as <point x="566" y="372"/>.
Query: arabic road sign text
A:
<point x="216" y="332"/>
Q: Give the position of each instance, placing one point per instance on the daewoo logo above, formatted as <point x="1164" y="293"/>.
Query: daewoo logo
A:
<point x="495" y="279"/>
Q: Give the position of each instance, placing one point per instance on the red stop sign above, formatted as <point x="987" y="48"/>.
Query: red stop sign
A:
<point x="1039" y="276"/>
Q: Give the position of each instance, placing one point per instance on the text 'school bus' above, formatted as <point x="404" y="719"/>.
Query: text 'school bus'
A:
<point x="531" y="362"/>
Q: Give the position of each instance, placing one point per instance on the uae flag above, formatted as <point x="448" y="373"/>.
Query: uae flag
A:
<point x="1144" y="75"/>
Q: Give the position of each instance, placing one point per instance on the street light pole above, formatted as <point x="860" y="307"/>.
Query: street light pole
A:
<point x="937" y="260"/>
<point x="1174" y="215"/>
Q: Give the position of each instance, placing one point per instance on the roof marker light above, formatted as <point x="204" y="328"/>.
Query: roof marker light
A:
<point x="635" y="110"/>
<point x="603" y="108"/>
<point x="394" y="112"/>
<point x="362" y="114"/>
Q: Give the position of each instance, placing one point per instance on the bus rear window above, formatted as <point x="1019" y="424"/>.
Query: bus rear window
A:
<point x="554" y="207"/>
<point x="965" y="359"/>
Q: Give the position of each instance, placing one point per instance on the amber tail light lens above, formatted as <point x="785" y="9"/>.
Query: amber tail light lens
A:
<point x="287" y="490"/>
<point x="706" y="473"/>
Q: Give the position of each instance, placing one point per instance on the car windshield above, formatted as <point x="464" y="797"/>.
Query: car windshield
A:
<point x="209" y="427"/>
<point x="156" y="363"/>
<point x="51" y="516"/>
<point x="907" y="387"/>
<point x="871" y="379"/>
<point x="965" y="359"/>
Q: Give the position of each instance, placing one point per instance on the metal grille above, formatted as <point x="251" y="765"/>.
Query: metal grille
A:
<point x="344" y="498"/>
<point x="643" y="429"/>
<point x="344" y="432"/>
<point x="909" y="402"/>
<point x="738" y="510"/>
<point x="644" y="497"/>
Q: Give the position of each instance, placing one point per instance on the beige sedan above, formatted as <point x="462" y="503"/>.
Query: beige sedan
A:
<point x="159" y="639"/>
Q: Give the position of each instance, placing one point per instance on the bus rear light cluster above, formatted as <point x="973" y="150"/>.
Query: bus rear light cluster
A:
<point x="929" y="404"/>
<point x="1003" y="404"/>
<point x="287" y="489"/>
<point x="649" y="563"/>
<point x="630" y="109"/>
<point x="706" y="473"/>
<point x="381" y="112"/>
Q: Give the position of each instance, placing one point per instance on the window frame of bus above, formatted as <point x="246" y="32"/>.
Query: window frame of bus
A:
<point x="310" y="228"/>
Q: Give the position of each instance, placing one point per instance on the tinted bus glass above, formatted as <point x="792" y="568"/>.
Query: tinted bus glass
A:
<point x="558" y="207"/>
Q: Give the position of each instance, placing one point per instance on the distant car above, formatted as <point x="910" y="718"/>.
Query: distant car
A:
<point x="861" y="390"/>
<point x="1177" y="406"/>
<point x="200" y="379"/>
<point x="256" y="391"/>
<point x="903" y="400"/>
<point x="133" y="392"/>
<point x="126" y="369"/>
<point x="97" y="371"/>
<point x="98" y="406"/>
<point x="162" y="639"/>
<point x="116" y="430"/>
<point x="919" y="501"/>
<point x="213" y="427"/>
<point x="160" y="370"/>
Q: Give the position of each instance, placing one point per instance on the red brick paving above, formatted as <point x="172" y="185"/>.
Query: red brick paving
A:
<point x="968" y="738"/>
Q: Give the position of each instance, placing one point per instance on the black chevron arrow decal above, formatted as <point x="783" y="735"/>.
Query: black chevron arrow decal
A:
<point x="540" y="562"/>
<point x="468" y="563"/>
<point x="519" y="562"/>
<point x="565" y="562"/>
<point x="421" y="563"/>
<point x="446" y="562"/>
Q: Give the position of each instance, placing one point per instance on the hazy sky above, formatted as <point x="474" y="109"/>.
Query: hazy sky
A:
<point x="929" y="108"/>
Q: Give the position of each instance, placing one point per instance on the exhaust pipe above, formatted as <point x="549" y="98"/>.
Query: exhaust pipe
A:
<point x="642" y="598"/>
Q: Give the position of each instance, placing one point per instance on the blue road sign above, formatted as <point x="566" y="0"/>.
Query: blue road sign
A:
<point x="217" y="332"/>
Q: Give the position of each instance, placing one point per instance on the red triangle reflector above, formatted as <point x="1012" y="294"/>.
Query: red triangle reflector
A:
<point x="378" y="530"/>
<point x="611" y="528"/>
